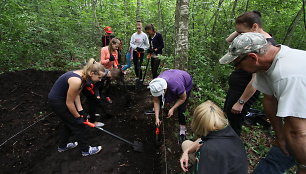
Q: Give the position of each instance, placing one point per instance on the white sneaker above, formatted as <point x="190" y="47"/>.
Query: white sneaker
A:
<point x="92" y="151"/>
<point x="68" y="146"/>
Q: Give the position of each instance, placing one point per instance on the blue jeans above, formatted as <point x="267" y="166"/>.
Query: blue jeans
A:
<point x="276" y="162"/>
<point x="128" y="61"/>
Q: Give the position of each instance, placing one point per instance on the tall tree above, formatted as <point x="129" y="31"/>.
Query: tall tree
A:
<point x="138" y="17"/>
<point x="181" y="23"/>
<point x="292" y="27"/>
<point x="216" y="17"/>
<point x="94" y="10"/>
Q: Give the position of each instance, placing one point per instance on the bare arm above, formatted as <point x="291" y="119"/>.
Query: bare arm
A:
<point x="180" y="101"/>
<point x="270" y="107"/>
<point x="78" y="103"/>
<point x="192" y="148"/>
<point x="232" y="36"/>
<point x="246" y="95"/>
<point x="156" y="103"/>
<point x="72" y="93"/>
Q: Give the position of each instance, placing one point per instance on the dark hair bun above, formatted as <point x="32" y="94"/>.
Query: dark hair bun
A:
<point x="257" y="12"/>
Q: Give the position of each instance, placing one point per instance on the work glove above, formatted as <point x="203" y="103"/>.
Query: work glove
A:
<point x="150" y="50"/>
<point x="111" y="58"/>
<point x="139" y="49"/>
<point x="83" y="114"/>
<point x="80" y="120"/>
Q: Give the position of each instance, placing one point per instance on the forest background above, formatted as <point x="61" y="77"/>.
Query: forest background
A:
<point x="62" y="35"/>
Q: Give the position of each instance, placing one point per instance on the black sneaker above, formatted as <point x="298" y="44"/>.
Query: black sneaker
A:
<point x="149" y="112"/>
<point x="182" y="138"/>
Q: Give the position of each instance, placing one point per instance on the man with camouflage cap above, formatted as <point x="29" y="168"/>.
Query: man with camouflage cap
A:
<point x="280" y="72"/>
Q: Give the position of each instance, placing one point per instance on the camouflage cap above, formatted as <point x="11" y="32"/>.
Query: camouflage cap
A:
<point x="242" y="44"/>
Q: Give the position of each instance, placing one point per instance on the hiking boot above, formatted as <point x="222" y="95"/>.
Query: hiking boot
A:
<point x="68" y="146"/>
<point x="99" y="124"/>
<point x="92" y="151"/>
<point x="149" y="112"/>
<point x="109" y="100"/>
<point x="182" y="138"/>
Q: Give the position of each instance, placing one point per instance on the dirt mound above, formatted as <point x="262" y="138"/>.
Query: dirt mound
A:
<point x="23" y="100"/>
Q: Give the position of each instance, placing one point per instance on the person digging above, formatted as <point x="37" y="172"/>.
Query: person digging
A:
<point x="172" y="86"/>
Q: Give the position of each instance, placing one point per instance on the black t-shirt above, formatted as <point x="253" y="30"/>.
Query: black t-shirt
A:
<point x="223" y="153"/>
<point x="106" y="39"/>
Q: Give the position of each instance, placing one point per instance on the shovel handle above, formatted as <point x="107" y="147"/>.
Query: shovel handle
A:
<point x="157" y="131"/>
<point x="89" y="123"/>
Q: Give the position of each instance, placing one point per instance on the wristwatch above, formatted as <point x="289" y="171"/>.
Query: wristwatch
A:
<point x="241" y="101"/>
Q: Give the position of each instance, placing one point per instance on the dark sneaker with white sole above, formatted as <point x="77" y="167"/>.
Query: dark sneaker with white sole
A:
<point x="92" y="151"/>
<point x="68" y="146"/>
<point x="182" y="138"/>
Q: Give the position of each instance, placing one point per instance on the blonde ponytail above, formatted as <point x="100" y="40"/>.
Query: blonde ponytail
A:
<point x="208" y="117"/>
<point x="92" y="66"/>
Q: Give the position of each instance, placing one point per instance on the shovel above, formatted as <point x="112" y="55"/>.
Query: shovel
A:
<point x="138" y="82"/>
<point x="137" y="146"/>
<point x="144" y="76"/>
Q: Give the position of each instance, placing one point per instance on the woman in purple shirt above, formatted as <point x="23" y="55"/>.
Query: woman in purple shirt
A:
<point x="172" y="86"/>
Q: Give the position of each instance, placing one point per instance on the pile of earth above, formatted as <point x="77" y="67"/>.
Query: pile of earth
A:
<point x="23" y="101"/>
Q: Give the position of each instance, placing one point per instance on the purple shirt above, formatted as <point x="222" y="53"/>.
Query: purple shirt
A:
<point x="178" y="82"/>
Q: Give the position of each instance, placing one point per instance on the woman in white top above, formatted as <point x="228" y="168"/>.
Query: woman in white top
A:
<point x="139" y="43"/>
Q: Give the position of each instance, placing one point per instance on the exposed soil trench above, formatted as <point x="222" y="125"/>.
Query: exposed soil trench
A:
<point x="23" y="100"/>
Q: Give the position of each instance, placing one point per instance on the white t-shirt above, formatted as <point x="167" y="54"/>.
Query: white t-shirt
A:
<point x="139" y="40"/>
<point x="286" y="81"/>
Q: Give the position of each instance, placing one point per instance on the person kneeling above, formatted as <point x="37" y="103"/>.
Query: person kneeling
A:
<point x="221" y="150"/>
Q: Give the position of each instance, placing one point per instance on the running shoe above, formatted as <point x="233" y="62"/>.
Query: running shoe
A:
<point x="92" y="151"/>
<point x="68" y="146"/>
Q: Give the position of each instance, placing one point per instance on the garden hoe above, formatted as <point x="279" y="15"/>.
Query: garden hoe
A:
<point x="137" y="146"/>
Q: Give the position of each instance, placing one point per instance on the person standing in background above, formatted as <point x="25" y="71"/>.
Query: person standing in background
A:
<point x="107" y="37"/>
<point x="156" y="48"/>
<point x="139" y="43"/>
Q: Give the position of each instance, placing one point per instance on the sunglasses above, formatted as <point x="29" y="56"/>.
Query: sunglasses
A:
<point x="138" y="28"/>
<point x="236" y="63"/>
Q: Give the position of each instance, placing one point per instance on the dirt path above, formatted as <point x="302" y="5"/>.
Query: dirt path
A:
<point x="23" y="99"/>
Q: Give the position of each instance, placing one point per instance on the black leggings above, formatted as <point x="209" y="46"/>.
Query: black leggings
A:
<point x="70" y="126"/>
<point x="137" y="63"/>
<point x="154" y="66"/>
<point x="180" y="112"/>
<point x="92" y="104"/>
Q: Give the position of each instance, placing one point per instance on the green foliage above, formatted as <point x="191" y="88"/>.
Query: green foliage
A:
<point x="53" y="35"/>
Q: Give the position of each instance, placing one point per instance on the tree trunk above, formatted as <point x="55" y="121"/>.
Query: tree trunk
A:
<point x="161" y="25"/>
<point x="247" y="5"/>
<point x="126" y="4"/>
<point x="304" y="14"/>
<point x="138" y="17"/>
<point x="94" y="10"/>
<point x="159" y="15"/>
<point x="181" y="22"/>
<point x="216" y="18"/>
<point x="292" y="27"/>
<point x="234" y="9"/>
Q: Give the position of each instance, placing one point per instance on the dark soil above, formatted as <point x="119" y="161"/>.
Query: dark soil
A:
<point x="23" y="100"/>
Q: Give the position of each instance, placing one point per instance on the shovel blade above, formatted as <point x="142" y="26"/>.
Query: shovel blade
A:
<point x="138" y="146"/>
